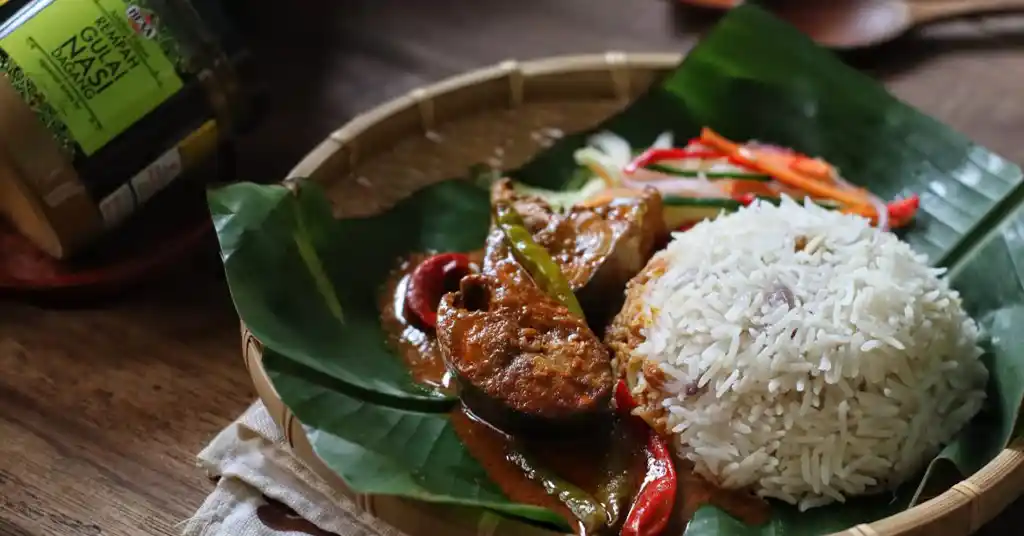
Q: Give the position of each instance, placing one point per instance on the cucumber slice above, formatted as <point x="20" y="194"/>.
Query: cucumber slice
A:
<point x="679" y="211"/>
<point x="702" y="202"/>
<point x="709" y="175"/>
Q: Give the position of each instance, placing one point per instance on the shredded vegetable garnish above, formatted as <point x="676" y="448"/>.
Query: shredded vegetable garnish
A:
<point x="711" y="166"/>
<point x="770" y="163"/>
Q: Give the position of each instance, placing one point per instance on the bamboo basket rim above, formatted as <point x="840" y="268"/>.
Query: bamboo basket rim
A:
<point x="961" y="510"/>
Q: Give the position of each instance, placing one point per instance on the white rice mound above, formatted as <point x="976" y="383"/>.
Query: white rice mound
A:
<point x="850" y="391"/>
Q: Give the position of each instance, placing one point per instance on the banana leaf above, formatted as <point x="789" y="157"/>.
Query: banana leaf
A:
<point x="383" y="450"/>
<point x="306" y="283"/>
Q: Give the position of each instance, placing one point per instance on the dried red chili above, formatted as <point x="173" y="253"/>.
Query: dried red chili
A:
<point x="431" y="280"/>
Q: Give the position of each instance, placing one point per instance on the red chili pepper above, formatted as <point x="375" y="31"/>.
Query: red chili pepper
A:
<point x="902" y="211"/>
<point x="431" y="280"/>
<point x="625" y="405"/>
<point x="654" y="504"/>
<point x="745" y="199"/>
<point x="623" y="398"/>
<point x="653" y="156"/>
<point x="653" y="507"/>
<point x="687" y="226"/>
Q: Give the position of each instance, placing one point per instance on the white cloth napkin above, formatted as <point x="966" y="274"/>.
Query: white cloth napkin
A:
<point x="254" y="464"/>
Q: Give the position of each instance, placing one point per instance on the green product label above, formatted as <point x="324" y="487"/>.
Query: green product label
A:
<point x="97" y="64"/>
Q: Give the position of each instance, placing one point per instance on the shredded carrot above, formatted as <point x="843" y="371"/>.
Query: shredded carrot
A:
<point x="607" y="196"/>
<point x="600" y="172"/>
<point x="813" y="167"/>
<point x="597" y="200"/>
<point x="737" y="187"/>
<point x="781" y="173"/>
<point x="866" y="210"/>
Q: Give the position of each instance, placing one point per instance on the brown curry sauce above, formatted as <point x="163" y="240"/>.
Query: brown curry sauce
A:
<point x="574" y="460"/>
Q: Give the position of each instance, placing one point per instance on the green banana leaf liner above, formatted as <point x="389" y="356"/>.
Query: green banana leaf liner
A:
<point x="306" y="284"/>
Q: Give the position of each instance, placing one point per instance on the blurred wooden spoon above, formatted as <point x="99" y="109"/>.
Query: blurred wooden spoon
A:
<point x="847" y="24"/>
<point x="713" y="4"/>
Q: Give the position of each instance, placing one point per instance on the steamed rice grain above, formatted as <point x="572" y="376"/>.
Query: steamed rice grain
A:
<point x="800" y="352"/>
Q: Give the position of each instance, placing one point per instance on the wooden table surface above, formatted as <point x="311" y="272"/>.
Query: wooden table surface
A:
<point x="102" y="408"/>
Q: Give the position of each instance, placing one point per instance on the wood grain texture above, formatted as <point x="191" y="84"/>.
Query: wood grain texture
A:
<point x="102" y="408"/>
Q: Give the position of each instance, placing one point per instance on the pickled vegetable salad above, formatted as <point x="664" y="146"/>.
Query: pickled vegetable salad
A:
<point x="711" y="173"/>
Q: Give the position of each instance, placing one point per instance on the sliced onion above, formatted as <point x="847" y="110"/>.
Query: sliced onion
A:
<point x="782" y="294"/>
<point x="686" y="187"/>
<point x="616" y="148"/>
<point x="769" y="148"/>
<point x="716" y="165"/>
<point x="882" y="211"/>
<point x="846" y="184"/>
<point x="663" y="141"/>
<point x="600" y="164"/>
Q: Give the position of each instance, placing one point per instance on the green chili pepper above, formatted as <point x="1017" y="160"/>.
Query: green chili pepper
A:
<point x="590" y="512"/>
<point x="534" y="258"/>
<point x="618" y="488"/>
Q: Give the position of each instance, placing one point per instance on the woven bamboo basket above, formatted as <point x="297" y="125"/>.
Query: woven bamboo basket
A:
<point x="504" y="114"/>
